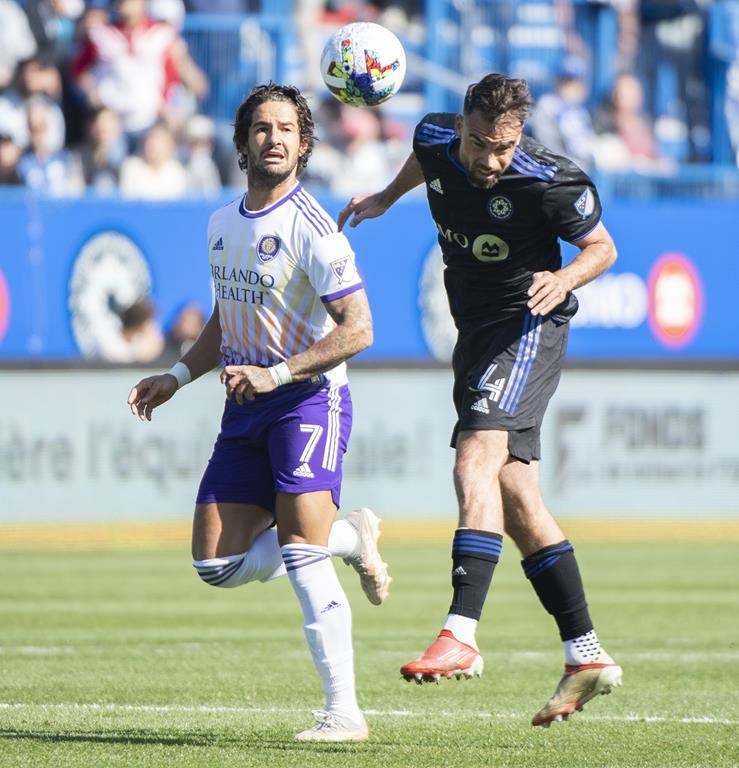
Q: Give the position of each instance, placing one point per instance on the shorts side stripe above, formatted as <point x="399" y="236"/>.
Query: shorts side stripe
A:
<point x="529" y="363"/>
<point x="522" y="365"/>
<point x="331" y="449"/>
<point x="516" y="363"/>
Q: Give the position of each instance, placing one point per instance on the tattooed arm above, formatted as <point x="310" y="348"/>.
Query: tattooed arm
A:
<point x="352" y="334"/>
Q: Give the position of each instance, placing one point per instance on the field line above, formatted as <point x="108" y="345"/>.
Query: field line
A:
<point x="168" y="534"/>
<point x="399" y="713"/>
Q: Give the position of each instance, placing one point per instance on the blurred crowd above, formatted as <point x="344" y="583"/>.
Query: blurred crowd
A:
<point x="104" y="96"/>
<point x="141" y="338"/>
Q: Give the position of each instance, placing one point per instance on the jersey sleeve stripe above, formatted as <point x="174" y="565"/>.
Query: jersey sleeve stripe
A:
<point x="431" y="128"/>
<point x="547" y="170"/>
<point x="341" y="293"/>
<point x="316" y="209"/>
<point x="528" y="160"/>
<point x="430" y="139"/>
<point x="526" y="171"/>
<point x="316" y="223"/>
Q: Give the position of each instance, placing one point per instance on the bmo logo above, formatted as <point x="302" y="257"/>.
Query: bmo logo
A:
<point x="4" y="306"/>
<point x="675" y="299"/>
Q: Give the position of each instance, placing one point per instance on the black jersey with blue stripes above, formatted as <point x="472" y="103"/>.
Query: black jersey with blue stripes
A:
<point x="493" y="240"/>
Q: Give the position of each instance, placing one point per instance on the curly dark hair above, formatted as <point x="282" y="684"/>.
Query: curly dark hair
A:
<point x="496" y="96"/>
<point x="273" y="92"/>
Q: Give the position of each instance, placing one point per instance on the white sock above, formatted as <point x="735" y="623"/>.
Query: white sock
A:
<point x="343" y="539"/>
<point x="265" y="558"/>
<point x="582" y="650"/>
<point x="263" y="562"/>
<point x="327" y="622"/>
<point x="463" y="628"/>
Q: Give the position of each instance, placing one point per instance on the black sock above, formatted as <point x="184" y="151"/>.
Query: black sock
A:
<point x="554" y="575"/>
<point x="474" y="557"/>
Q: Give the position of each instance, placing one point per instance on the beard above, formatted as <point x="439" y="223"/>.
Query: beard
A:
<point x="481" y="182"/>
<point x="269" y="178"/>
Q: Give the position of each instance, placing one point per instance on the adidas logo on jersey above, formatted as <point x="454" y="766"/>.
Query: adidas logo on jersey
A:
<point x="303" y="471"/>
<point x="481" y="406"/>
<point x="219" y="244"/>
<point x="459" y="571"/>
<point x="436" y="186"/>
<point x="333" y="604"/>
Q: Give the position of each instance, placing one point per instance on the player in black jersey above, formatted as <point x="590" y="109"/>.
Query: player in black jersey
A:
<point x="501" y="202"/>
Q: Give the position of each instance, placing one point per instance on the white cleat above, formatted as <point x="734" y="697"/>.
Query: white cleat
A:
<point x="373" y="575"/>
<point x="331" y="727"/>
<point x="578" y="686"/>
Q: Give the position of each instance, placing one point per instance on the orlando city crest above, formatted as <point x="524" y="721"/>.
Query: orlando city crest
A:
<point x="267" y="248"/>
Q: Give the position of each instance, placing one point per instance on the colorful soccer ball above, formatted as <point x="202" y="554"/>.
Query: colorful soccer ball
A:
<point x="363" y="64"/>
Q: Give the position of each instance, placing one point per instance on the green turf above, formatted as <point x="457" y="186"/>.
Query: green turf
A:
<point x="126" y="659"/>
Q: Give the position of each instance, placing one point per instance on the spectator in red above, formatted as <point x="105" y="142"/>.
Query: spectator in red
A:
<point x="130" y="65"/>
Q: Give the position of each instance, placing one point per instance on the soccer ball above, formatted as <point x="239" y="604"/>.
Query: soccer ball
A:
<point x="363" y="64"/>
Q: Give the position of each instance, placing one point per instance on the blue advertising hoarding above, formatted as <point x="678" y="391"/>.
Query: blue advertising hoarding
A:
<point x="65" y="265"/>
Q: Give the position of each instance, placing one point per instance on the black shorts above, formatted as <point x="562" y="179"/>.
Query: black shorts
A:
<point x="504" y="376"/>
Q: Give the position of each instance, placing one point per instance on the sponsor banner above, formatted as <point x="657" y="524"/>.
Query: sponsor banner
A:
<point x="67" y="268"/>
<point x="643" y="443"/>
<point x="616" y="443"/>
<point x="80" y="454"/>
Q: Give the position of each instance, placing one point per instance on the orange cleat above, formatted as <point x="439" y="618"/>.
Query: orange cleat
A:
<point x="446" y="657"/>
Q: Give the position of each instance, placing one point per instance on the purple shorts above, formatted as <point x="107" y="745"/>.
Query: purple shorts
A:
<point x="292" y="440"/>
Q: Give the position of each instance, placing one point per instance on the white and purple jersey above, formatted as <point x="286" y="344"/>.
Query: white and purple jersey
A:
<point x="273" y="270"/>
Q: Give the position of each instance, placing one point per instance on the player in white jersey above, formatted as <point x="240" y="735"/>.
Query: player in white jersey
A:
<point x="290" y="310"/>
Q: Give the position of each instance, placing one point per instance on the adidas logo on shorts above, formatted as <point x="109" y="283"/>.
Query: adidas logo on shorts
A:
<point x="436" y="186"/>
<point x="303" y="471"/>
<point x="481" y="406"/>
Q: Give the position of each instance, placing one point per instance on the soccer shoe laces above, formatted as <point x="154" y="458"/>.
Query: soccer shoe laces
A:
<point x="325" y="720"/>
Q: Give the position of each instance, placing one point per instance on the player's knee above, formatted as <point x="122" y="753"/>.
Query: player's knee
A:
<point x="228" y="571"/>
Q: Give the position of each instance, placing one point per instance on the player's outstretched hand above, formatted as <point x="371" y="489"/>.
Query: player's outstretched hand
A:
<point x="245" y="381"/>
<point x="547" y="291"/>
<point x="150" y="393"/>
<point x="366" y="207"/>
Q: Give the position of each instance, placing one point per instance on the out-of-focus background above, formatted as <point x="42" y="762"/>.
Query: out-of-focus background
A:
<point x="115" y="147"/>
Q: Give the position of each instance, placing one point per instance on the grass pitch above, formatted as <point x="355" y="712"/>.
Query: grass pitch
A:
<point x="123" y="658"/>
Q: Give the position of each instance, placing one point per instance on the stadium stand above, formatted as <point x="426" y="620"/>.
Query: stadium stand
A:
<point x="684" y="55"/>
